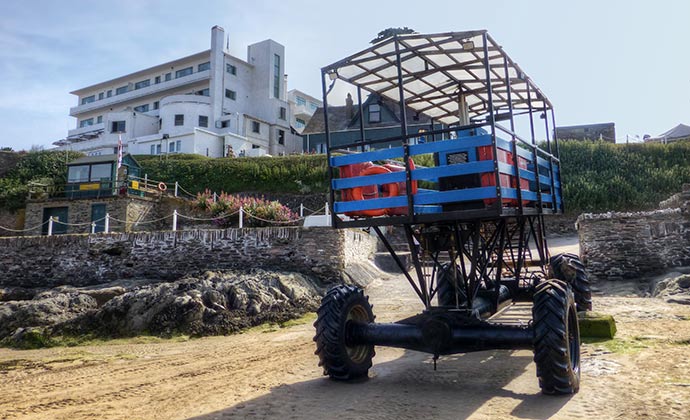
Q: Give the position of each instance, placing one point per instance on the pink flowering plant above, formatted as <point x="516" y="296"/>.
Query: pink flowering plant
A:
<point x="258" y="211"/>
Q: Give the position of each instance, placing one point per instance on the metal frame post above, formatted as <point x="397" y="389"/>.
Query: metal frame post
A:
<point x="535" y="149"/>
<point x="516" y="156"/>
<point x="489" y="87"/>
<point x="361" y="116"/>
<point x="331" y="192"/>
<point x="403" y="132"/>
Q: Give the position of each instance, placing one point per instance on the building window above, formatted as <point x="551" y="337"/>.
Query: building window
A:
<point x="99" y="119"/>
<point x="142" y="108"/>
<point x="109" y="94"/>
<point x="300" y="101"/>
<point x="230" y="94"/>
<point x="255" y="146"/>
<point x="168" y="77"/>
<point x="101" y="172"/>
<point x="171" y="147"/>
<point x="283" y="113"/>
<point x="101" y="95"/>
<point x="374" y="113"/>
<point x="88" y="99"/>
<point x="157" y="80"/>
<point x="224" y="124"/>
<point x="203" y="92"/>
<point x="178" y="145"/>
<point x="156" y="105"/>
<point x="117" y="127"/>
<point x="256" y="127"/>
<point x="276" y="76"/>
<point x="203" y="121"/>
<point x="121" y="90"/>
<point x="142" y="84"/>
<point x="86" y="123"/>
<point x="281" y="137"/>
<point x="179" y="119"/>
<point x="231" y="69"/>
<point x="153" y="149"/>
<point x="204" y="66"/>
<point x="299" y="123"/>
<point x="184" y="72"/>
<point x="313" y="105"/>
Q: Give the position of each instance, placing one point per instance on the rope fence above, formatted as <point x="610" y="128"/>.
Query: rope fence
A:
<point x="104" y="224"/>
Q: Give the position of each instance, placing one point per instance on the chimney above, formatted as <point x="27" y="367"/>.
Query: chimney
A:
<point x="348" y="106"/>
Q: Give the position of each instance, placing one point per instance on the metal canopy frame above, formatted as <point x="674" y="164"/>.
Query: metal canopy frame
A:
<point x="430" y="71"/>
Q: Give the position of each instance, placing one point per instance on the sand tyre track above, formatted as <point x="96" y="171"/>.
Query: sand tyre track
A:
<point x="569" y="268"/>
<point x="556" y="338"/>
<point x="446" y="287"/>
<point x="341" y="306"/>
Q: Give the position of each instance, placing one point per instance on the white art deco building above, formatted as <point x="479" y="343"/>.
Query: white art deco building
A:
<point x="207" y="103"/>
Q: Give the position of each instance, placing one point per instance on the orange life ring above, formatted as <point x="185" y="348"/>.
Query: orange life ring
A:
<point x="389" y="190"/>
<point x="403" y="185"/>
<point x="162" y="186"/>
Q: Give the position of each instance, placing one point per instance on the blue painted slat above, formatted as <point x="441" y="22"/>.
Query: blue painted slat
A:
<point x="469" y="194"/>
<point x="375" y="203"/>
<point x="393" y="152"/>
<point x="360" y="181"/>
<point x="446" y="145"/>
<point x="452" y="170"/>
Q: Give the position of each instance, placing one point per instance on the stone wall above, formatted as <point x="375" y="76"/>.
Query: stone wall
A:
<point x="619" y="246"/>
<point x="82" y="260"/>
<point x="127" y="213"/>
<point x="11" y="220"/>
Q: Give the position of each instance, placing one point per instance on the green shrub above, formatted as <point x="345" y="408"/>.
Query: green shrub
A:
<point x="289" y="174"/>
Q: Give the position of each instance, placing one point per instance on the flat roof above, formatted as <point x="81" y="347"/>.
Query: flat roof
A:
<point x="436" y="69"/>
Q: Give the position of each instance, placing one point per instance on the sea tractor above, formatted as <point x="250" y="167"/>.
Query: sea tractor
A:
<point x="473" y="216"/>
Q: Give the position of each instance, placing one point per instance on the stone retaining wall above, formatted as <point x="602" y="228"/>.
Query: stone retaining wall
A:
<point x="81" y="260"/>
<point x="618" y="246"/>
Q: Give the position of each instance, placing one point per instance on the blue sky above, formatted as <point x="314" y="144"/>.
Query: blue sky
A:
<point x="598" y="61"/>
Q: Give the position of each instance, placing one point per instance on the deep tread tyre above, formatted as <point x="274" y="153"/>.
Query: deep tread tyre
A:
<point x="445" y="289"/>
<point x="556" y="338"/>
<point x="340" y="306"/>
<point x="569" y="268"/>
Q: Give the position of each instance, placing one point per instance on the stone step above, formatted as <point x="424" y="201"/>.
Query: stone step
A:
<point x="385" y="261"/>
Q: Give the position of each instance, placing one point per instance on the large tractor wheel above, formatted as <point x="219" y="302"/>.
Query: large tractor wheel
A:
<point x="556" y="338"/>
<point x="340" y="360"/>
<point x="446" y="286"/>
<point x="569" y="268"/>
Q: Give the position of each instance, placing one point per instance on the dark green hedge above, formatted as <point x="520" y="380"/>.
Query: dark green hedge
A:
<point x="41" y="166"/>
<point x="290" y="174"/>
<point x="600" y="176"/>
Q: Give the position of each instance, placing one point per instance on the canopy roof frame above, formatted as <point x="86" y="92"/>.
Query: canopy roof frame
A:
<point x="459" y="58"/>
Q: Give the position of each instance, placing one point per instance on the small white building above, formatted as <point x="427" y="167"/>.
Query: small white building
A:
<point x="302" y="107"/>
<point x="209" y="103"/>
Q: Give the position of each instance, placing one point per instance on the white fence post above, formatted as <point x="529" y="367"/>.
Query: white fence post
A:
<point x="50" y="226"/>
<point x="326" y="209"/>
<point x="215" y="197"/>
<point x="107" y="223"/>
<point x="93" y="227"/>
<point x="146" y="181"/>
<point x="301" y="210"/>
<point x="174" y="220"/>
<point x="176" y="187"/>
<point x="241" y="217"/>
